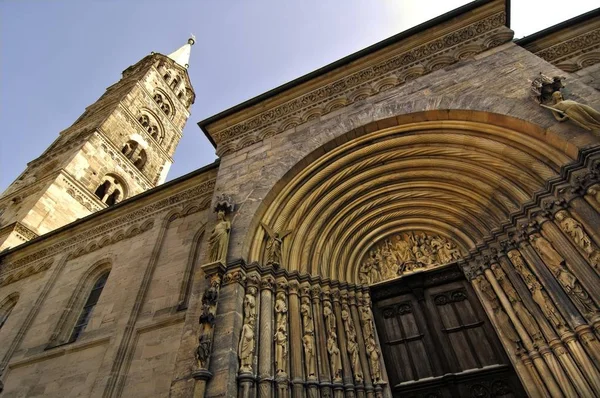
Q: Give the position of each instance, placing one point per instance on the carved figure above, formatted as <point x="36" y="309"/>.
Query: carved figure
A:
<point x="246" y="346"/>
<point x="503" y="320"/>
<point x="280" y="351"/>
<point x="329" y="318"/>
<point x="274" y="245"/>
<point x="366" y="321"/>
<point x="574" y="229"/>
<point x="203" y="351"/>
<point x="351" y="344"/>
<point x="537" y="292"/>
<point x="334" y="356"/>
<point x="281" y="311"/>
<point x="308" y="341"/>
<point x="374" y="361"/>
<point x="219" y="239"/>
<point x="583" y="115"/>
<point x="568" y="281"/>
<point x="250" y="303"/>
<point x="307" y="319"/>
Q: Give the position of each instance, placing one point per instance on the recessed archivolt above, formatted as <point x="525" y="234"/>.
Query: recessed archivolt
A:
<point x="458" y="179"/>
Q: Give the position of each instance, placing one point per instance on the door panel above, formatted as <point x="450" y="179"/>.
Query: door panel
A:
<point x="437" y="340"/>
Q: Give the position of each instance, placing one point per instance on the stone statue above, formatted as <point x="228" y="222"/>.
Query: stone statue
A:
<point x="273" y="250"/>
<point x="308" y="341"/>
<point x="374" y="361"/>
<point x="334" y="356"/>
<point x="281" y="311"/>
<point x="203" y="351"/>
<point x="280" y="351"/>
<point x="250" y="303"/>
<point x="246" y="346"/>
<point x="503" y="320"/>
<point x="583" y="115"/>
<point x="307" y="319"/>
<point x="329" y="318"/>
<point x="569" y="282"/>
<point x="219" y="239"/>
<point x="366" y="321"/>
<point x="351" y="344"/>
<point x="537" y="292"/>
<point x="574" y="229"/>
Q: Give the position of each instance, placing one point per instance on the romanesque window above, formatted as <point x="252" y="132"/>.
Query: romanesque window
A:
<point x="151" y="127"/>
<point x="79" y="310"/>
<point x="112" y="189"/>
<point x="7" y="306"/>
<point x="144" y="121"/>
<point x="129" y="148"/>
<point x="86" y="311"/>
<point x="163" y="103"/>
<point x="174" y="83"/>
<point x="140" y="160"/>
<point x="167" y="77"/>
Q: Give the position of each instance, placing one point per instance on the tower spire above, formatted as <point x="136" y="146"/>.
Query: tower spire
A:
<point x="182" y="54"/>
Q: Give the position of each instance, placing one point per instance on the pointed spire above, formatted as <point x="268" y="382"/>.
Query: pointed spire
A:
<point x="182" y="54"/>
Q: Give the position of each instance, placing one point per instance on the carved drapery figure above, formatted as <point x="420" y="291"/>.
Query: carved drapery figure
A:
<point x="334" y="356"/>
<point x="522" y="313"/>
<point x="219" y="239"/>
<point x="538" y="293"/>
<point x="307" y="319"/>
<point x="583" y="115"/>
<point x="374" y="361"/>
<point x="503" y="320"/>
<point x="329" y="318"/>
<point x="351" y="344"/>
<point x="281" y="311"/>
<point x="273" y="249"/>
<point x="250" y="303"/>
<point x="247" y="346"/>
<point x="308" y="340"/>
<point x="366" y="321"/>
<point x="405" y="253"/>
<point x="207" y="320"/>
<point x="575" y="230"/>
<point x="568" y="281"/>
<point x="281" y="351"/>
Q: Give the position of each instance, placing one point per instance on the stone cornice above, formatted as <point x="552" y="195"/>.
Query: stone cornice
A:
<point x="570" y="46"/>
<point x="81" y="194"/>
<point x="201" y="191"/>
<point x="422" y="53"/>
<point x="22" y="231"/>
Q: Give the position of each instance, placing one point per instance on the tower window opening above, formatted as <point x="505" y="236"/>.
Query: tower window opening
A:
<point x="102" y="190"/>
<point x="113" y="198"/>
<point x="129" y="148"/>
<point x="140" y="160"/>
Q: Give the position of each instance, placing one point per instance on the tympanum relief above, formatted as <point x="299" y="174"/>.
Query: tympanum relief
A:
<point x="404" y="253"/>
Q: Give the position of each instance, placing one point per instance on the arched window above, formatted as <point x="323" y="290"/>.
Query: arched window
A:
<point x="129" y="148"/>
<point x="162" y="103"/>
<point x="102" y="189"/>
<point x="167" y="76"/>
<point x="144" y="120"/>
<point x="140" y="160"/>
<point x="174" y="82"/>
<point x="111" y="190"/>
<point x="6" y="307"/>
<point x="86" y="311"/>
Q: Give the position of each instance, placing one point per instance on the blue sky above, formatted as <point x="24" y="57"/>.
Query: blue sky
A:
<point x="57" y="57"/>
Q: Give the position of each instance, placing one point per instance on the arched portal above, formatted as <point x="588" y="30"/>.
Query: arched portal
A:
<point x="474" y="183"/>
<point x="458" y="179"/>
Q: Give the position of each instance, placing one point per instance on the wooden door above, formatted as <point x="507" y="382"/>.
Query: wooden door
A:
<point x="437" y="340"/>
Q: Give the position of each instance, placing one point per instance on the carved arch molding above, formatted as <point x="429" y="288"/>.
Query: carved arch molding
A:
<point x="456" y="189"/>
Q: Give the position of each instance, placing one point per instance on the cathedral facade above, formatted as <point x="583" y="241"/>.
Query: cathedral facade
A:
<point x="418" y="219"/>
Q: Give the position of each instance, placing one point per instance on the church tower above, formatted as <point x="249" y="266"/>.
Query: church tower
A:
<point x="120" y="146"/>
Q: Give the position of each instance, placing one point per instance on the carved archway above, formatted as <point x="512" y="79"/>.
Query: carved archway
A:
<point x="456" y="177"/>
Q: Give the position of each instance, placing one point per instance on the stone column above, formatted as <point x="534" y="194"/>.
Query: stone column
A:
<point x="362" y="342"/>
<point x="382" y="382"/>
<point x="228" y="326"/>
<point x="247" y="346"/>
<point x="265" y="352"/>
<point x="347" y="368"/>
<point x="213" y="272"/>
<point x="540" y="365"/>
<point x="355" y="343"/>
<point x="296" y="366"/>
<point x="324" y="374"/>
<point x="587" y="215"/>
<point x="281" y="338"/>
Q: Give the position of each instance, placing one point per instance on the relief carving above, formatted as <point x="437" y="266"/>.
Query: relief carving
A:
<point x="218" y="241"/>
<point x="351" y="343"/>
<point x="575" y="231"/>
<point x="332" y="342"/>
<point x="207" y="320"/>
<point x="366" y="321"/>
<point x="568" y="281"/>
<point x="504" y="324"/>
<point x="281" y="335"/>
<point x="273" y="249"/>
<point x="247" y="345"/>
<point x="538" y="293"/>
<point x="404" y="253"/>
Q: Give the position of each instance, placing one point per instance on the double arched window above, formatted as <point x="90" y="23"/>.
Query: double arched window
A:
<point x="133" y="152"/>
<point x="162" y="103"/>
<point x="6" y="307"/>
<point x="80" y="308"/>
<point x="112" y="189"/>
<point x="151" y="127"/>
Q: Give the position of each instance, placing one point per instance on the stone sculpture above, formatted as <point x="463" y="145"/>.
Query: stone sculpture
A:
<point x="281" y="311"/>
<point x="575" y="230"/>
<point x="307" y="319"/>
<point x="308" y="340"/>
<point x="246" y="346"/>
<point x="374" y="361"/>
<point x="404" y="253"/>
<point x="219" y="239"/>
<point x="334" y="357"/>
<point x="280" y="351"/>
<point x="250" y="303"/>
<point x="273" y="249"/>
<point x="583" y="115"/>
<point x="351" y="344"/>
<point x="504" y="323"/>
<point x="569" y="282"/>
